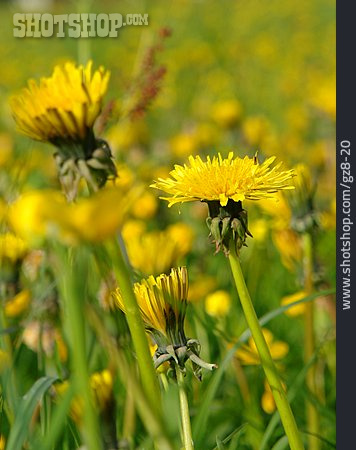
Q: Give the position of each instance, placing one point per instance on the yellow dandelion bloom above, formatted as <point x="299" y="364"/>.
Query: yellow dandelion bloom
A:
<point x="217" y="304"/>
<point x="296" y="310"/>
<point x="223" y="179"/>
<point x="63" y="106"/>
<point x="12" y="247"/>
<point x="248" y="353"/>
<point x="162" y="301"/>
<point x="155" y="252"/>
<point x="41" y="214"/>
<point x="227" y="113"/>
<point x="18" y="304"/>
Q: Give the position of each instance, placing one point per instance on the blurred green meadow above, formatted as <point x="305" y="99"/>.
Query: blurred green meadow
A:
<point x="244" y="76"/>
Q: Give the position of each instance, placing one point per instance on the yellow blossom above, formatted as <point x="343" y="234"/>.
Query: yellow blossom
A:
<point x="267" y="401"/>
<point x="18" y="304"/>
<point x="255" y="129"/>
<point x="297" y="309"/>
<point x="12" y="247"/>
<point x="248" y="353"/>
<point x="227" y="113"/>
<point x="162" y="301"/>
<point x="145" y="206"/>
<point x="218" y="303"/>
<point x="289" y="246"/>
<point x="184" y="144"/>
<point x="39" y="214"/>
<point x="156" y="251"/>
<point x="223" y="179"/>
<point x="63" y="106"/>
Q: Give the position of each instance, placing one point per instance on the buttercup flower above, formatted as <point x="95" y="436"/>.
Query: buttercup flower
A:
<point x="62" y="110"/>
<point x="163" y="303"/>
<point x="224" y="184"/>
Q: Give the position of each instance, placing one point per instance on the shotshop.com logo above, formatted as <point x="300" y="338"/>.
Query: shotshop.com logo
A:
<point x="37" y="25"/>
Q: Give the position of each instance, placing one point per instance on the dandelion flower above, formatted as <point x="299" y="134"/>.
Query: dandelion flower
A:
<point x="62" y="110"/>
<point x="163" y="303"/>
<point x="223" y="184"/>
<point x="63" y="106"/>
<point x="223" y="179"/>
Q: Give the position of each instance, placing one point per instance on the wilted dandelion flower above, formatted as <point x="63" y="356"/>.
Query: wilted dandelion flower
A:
<point x="224" y="184"/>
<point x="163" y="303"/>
<point x="62" y="110"/>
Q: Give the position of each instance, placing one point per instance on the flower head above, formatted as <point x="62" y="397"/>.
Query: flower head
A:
<point x="163" y="303"/>
<point x="223" y="179"/>
<point x="63" y="106"/>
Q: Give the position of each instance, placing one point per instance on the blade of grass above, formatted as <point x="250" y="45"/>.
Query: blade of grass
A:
<point x="21" y="428"/>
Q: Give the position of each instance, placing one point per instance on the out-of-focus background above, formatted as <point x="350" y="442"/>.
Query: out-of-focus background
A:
<point x="248" y="76"/>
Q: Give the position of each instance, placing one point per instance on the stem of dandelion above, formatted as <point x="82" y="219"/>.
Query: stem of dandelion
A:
<point x="73" y="303"/>
<point x="137" y="330"/>
<point x="268" y="365"/>
<point x="309" y="341"/>
<point x="184" y="411"/>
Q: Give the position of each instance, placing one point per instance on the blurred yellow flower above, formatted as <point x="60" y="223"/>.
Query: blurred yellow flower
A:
<point x="126" y="135"/>
<point x="267" y="401"/>
<point x="18" y="304"/>
<point x="297" y="309"/>
<point x="227" y="113"/>
<point x="223" y="179"/>
<point x="289" y="245"/>
<point x="255" y="129"/>
<point x="248" y="353"/>
<point x="12" y="247"/>
<point x="39" y="214"/>
<point x="156" y="252"/>
<point x="201" y="287"/>
<point x="217" y="304"/>
<point x="34" y="214"/>
<point x="259" y="230"/>
<point x="162" y="302"/>
<point x="101" y="384"/>
<point x="63" y="106"/>
<point x="2" y="442"/>
<point x="145" y="206"/>
<point x="184" y="144"/>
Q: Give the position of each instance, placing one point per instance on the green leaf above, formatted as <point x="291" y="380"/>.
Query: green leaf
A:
<point x="25" y="410"/>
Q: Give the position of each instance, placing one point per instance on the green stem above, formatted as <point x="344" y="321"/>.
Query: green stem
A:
<point x="268" y="365"/>
<point x="137" y="330"/>
<point x="309" y="342"/>
<point x="184" y="411"/>
<point x="73" y="309"/>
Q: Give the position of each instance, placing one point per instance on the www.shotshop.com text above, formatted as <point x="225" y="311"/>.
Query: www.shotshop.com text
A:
<point x="345" y="247"/>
